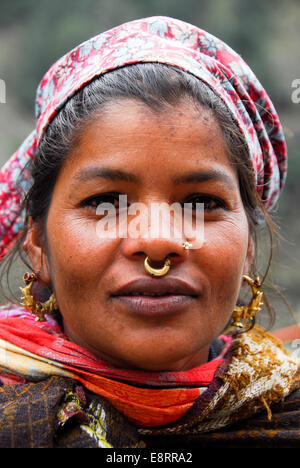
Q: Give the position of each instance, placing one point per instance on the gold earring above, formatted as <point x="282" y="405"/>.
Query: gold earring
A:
<point x="157" y="271"/>
<point x="243" y="316"/>
<point x="36" y="308"/>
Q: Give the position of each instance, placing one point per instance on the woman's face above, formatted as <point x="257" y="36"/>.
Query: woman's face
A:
<point x="109" y="303"/>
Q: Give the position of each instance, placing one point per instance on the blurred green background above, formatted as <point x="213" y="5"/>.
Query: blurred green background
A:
<point x="35" y="33"/>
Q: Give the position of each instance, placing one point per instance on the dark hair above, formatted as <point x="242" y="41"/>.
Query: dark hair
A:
<point x="156" y="85"/>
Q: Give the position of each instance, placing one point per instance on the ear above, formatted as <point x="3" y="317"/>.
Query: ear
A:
<point x="33" y="246"/>
<point x="250" y="256"/>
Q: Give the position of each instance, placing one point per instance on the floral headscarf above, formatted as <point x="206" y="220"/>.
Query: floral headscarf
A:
<point x="168" y="41"/>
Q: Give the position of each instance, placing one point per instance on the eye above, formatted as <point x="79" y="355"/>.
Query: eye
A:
<point x="94" y="201"/>
<point x="209" y="202"/>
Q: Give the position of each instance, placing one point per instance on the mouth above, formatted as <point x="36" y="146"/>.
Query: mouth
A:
<point x="156" y="297"/>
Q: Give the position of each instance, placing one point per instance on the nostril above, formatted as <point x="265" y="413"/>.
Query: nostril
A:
<point x="157" y="250"/>
<point x="156" y="263"/>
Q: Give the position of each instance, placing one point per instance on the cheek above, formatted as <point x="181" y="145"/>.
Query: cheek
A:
<point x="78" y="256"/>
<point x="223" y="257"/>
<point x="228" y="238"/>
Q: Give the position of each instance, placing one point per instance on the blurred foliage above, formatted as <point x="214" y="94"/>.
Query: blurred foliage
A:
<point x="35" y="33"/>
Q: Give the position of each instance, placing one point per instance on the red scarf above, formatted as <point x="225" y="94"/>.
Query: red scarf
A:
<point x="145" y="406"/>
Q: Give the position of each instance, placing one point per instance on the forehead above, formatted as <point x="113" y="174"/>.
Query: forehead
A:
<point x="181" y="120"/>
<point x="129" y="134"/>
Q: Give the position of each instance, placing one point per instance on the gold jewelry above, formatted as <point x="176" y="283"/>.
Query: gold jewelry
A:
<point x="243" y="316"/>
<point x="187" y="245"/>
<point x="28" y="302"/>
<point x="157" y="271"/>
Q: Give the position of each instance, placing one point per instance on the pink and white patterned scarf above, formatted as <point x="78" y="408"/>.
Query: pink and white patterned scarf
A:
<point x="168" y="41"/>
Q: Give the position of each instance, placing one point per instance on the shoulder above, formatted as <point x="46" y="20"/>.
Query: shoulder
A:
<point x="59" y="413"/>
<point x="278" y="429"/>
<point x="28" y="413"/>
<point x="260" y="431"/>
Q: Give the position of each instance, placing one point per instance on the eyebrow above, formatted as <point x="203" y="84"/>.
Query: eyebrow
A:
<point x="204" y="176"/>
<point x="95" y="172"/>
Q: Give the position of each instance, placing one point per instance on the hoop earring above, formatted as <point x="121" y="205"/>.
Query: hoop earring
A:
<point x="243" y="316"/>
<point x="36" y="308"/>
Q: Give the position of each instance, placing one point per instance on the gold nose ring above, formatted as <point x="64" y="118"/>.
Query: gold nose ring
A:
<point x="157" y="271"/>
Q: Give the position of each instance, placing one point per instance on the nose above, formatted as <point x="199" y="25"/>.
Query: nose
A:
<point x="159" y="236"/>
<point x="157" y="250"/>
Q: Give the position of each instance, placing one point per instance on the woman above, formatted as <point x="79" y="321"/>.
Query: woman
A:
<point x="120" y="339"/>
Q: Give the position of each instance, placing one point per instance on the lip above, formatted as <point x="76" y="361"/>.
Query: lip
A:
<point x="174" y="296"/>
